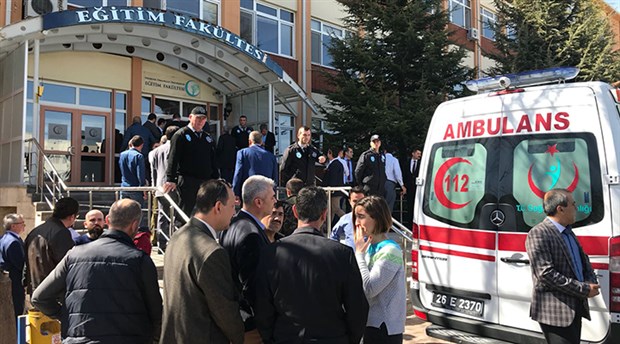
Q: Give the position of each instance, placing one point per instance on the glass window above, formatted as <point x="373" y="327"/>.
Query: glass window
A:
<point x="98" y="3"/>
<point x="467" y="180"/>
<point x="267" y="34"/>
<point x="93" y="133"/>
<point x="274" y="32"/>
<point x="246" y="28"/>
<point x="249" y="4"/>
<point x="146" y="104"/>
<point x="460" y="13"/>
<point x="118" y="3"/>
<point x="58" y="93"/>
<point x="121" y="101"/>
<point x="29" y="120"/>
<point x="152" y="3"/>
<point x="187" y="108"/>
<point x="57" y="130"/>
<point x="191" y="8"/>
<point x="95" y="98"/>
<point x="488" y="20"/>
<point x="322" y="35"/>
<point x="210" y="12"/>
<point x="119" y="130"/>
<point x="29" y="89"/>
<point x="167" y="106"/>
<point x="267" y="10"/>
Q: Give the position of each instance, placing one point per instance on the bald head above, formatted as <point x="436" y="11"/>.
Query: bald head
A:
<point x="94" y="222"/>
<point x="125" y="215"/>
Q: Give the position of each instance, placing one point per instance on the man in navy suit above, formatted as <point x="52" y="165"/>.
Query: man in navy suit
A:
<point x="244" y="240"/>
<point x="254" y="160"/>
<point x="13" y="258"/>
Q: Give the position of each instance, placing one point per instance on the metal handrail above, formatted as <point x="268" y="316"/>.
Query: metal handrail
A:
<point x="59" y="185"/>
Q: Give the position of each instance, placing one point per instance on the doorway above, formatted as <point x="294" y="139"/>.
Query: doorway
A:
<point x="78" y="143"/>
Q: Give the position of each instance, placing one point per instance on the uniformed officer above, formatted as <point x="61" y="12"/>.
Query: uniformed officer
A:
<point x="370" y="169"/>
<point x="241" y="133"/>
<point x="299" y="158"/>
<point x="191" y="160"/>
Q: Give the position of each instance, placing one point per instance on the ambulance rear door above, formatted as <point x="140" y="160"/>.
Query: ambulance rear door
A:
<point x="552" y="139"/>
<point x="457" y="256"/>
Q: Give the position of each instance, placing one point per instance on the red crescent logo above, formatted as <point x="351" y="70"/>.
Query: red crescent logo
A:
<point x="541" y="194"/>
<point x="438" y="185"/>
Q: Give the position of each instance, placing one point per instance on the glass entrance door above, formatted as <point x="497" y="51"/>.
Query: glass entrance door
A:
<point x="77" y="143"/>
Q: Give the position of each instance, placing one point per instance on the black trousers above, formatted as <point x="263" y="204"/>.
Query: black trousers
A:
<point x="563" y="335"/>
<point x="374" y="335"/>
<point x="188" y="189"/>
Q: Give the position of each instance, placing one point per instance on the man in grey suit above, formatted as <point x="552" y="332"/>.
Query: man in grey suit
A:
<point x="562" y="275"/>
<point x="200" y="301"/>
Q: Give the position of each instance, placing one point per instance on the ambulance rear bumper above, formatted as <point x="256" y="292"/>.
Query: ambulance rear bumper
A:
<point x="484" y="332"/>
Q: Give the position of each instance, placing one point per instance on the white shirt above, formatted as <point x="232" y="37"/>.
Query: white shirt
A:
<point x="412" y="166"/>
<point x="345" y="178"/>
<point x="392" y="169"/>
<point x="210" y="229"/>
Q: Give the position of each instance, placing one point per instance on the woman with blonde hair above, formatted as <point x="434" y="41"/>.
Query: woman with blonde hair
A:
<point x="380" y="261"/>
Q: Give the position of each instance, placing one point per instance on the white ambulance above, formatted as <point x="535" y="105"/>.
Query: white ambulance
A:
<point x="487" y="163"/>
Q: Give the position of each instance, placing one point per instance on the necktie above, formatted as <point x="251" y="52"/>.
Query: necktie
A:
<point x="574" y="251"/>
<point x="415" y="164"/>
<point x="350" y="177"/>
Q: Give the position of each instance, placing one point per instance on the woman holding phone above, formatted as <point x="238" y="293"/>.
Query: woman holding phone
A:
<point x="380" y="261"/>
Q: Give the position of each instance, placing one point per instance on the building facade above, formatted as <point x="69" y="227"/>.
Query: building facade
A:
<point x="75" y="72"/>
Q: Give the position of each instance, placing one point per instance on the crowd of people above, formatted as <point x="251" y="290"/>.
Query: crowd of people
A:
<point x="264" y="274"/>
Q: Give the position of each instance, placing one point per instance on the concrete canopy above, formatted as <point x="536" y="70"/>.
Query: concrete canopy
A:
<point x="206" y="52"/>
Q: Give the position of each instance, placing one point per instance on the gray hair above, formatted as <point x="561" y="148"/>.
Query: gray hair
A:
<point x="123" y="212"/>
<point x="254" y="186"/>
<point x="256" y="137"/>
<point x="553" y="199"/>
<point x="11" y="219"/>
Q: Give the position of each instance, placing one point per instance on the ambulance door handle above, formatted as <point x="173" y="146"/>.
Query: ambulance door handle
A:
<point x="515" y="260"/>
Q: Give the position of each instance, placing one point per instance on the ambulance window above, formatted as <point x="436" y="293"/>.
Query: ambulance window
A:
<point x="568" y="162"/>
<point x="456" y="181"/>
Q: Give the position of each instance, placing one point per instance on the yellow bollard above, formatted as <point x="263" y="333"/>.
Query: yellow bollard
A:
<point x="43" y="329"/>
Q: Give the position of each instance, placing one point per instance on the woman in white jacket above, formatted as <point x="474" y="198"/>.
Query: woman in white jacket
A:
<point x="380" y="261"/>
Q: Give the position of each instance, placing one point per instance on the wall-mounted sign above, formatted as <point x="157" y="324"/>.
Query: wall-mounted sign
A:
<point x="57" y="131"/>
<point x="192" y="88"/>
<point x="175" y="85"/>
<point x="139" y="15"/>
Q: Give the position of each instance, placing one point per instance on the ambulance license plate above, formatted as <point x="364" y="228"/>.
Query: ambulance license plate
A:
<point x="458" y="304"/>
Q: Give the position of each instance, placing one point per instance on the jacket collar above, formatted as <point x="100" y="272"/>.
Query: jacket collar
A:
<point x="307" y="230"/>
<point x="245" y="215"/>
<point x="198" y="223"/>
<point x="118" y="235"/>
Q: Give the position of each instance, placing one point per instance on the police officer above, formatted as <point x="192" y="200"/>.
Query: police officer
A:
<point x="299" y="158"/>
<point x="191" y="160"/>
<point x="241" y="133"/>
<point x="370" y="169"/>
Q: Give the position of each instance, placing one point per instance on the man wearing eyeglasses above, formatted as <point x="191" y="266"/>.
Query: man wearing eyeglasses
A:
<point x="13" y="258"/>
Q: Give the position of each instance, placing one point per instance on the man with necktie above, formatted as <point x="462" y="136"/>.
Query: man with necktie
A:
<point x="410" y="173"/>
<point x="563" y="278"/>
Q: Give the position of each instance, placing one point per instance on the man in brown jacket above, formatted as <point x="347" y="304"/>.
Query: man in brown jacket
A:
<point x="200" y="302"/>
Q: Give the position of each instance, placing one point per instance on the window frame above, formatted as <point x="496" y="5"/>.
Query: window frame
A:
<point x="255" y="13"/>
<point x="323" y="31"/>
<point x="487" y="16"/>
<point x="466" y="4"/>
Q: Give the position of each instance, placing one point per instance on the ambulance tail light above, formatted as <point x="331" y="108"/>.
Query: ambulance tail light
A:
<point x="530" y="78"/>
<point x="414" y="253"/>
<point x="614" y="271"/>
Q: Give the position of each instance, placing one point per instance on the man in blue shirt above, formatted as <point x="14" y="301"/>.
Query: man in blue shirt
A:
<point x="13" y="258"/>
<point x="344" y="226"/>
<point x="133" y="169"/>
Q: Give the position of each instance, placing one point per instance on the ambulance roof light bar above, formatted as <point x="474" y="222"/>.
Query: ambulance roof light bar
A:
<point x="530" y="78"/>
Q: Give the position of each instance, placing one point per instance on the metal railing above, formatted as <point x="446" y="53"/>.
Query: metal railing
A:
<point x="43" y="175"/>
<point x="51" y="186"/>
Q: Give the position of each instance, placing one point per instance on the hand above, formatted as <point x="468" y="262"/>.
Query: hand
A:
<point x="404" y="192"/>
<point x="169" y="186"/>
<point x="322" y="159"/>
<point x="237" y="200"/>
<point x="361" y="245"/>
<point x="594" y="290"/>
<point x="144" y="195"/>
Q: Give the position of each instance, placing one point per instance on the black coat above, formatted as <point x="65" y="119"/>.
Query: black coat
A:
<point x="191" y="156"/>
<point x="154" y="129"/>
<point x="309" y="288"/>
<point x="299" y="163"/>
<point x="243" y="241"/>
<point x="111" y="292"/>
<point x="370" y="172"/>
<point x="270" y="141"/>
<point x="241" y="136"/>
<point x="334" y="174"/>
<point x="226" y="151"/>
